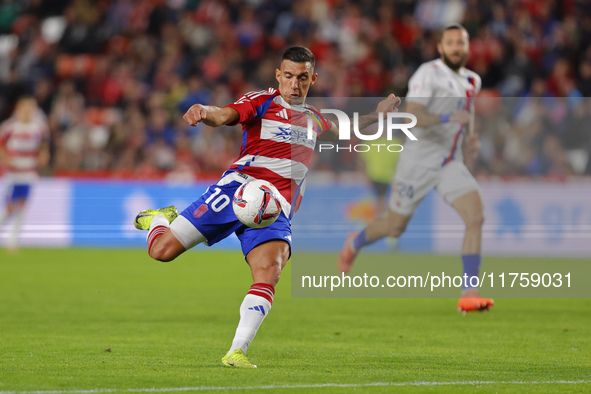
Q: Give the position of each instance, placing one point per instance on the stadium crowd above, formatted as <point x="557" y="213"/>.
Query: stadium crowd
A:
<point x="115" y="76"/>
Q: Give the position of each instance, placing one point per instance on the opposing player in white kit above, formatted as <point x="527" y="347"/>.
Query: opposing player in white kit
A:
<point x="275" y="148"/>
<point x="23" y="149"/>
<point x="440" y="94"/>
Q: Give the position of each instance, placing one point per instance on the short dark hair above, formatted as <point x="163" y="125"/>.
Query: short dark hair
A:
<point x="299" y="55"/>
<point x="453" y="26"/>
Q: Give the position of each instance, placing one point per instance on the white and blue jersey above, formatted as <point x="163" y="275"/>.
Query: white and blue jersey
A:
<point x="435" y="160"/>
<point x="442" y="91"/>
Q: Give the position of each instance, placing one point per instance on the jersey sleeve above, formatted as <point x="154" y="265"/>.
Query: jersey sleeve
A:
<point x="251" y="105"/>
<point x="321" y="124"/>
<point x="326" y="125"/>
<point x="420" y="86"/>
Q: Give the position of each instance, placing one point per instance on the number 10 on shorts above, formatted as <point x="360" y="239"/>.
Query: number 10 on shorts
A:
<point x="219" y="203"/>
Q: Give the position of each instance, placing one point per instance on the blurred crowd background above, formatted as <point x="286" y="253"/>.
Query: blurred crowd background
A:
<point x="115" y="76"/>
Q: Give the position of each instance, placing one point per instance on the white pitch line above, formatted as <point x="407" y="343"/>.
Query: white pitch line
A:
<point x="295" y="386"/>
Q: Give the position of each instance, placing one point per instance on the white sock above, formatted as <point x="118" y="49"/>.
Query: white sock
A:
<point x="158" y="226"/>
<point x="255" y="307"/>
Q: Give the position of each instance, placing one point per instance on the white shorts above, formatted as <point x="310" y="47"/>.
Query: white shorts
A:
<point x="412" y="183"/>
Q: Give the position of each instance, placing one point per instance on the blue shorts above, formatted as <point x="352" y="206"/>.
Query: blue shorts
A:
<point x="18" y="192"/>
<point x="212" y="214"/>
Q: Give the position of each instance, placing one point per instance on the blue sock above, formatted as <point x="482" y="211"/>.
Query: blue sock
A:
<point x="360" y="241"/>
<point x="471" y="266"/>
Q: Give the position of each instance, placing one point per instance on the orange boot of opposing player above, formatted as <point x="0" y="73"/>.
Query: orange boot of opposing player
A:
<point x="348" y="254"/>
<point x="470" y="301"/>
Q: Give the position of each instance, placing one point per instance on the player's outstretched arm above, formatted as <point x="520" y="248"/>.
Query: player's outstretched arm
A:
<point x="210" y="115"/>
<point x="389" y="104"/>
<point x="425" y="118"/>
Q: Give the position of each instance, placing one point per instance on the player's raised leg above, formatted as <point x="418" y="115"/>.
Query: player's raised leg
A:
<point x="410" y="186"/>
<point x="266" y="262"/>
<point x="162" y="244"/>
<point x="470" y="208"/>
<point x="391" y="226"/>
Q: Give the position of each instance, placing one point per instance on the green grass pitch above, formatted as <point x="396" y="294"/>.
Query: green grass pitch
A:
<point x="75" y="320"/>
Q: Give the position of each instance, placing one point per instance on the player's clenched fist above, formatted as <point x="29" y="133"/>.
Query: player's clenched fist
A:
<point x="471" y="148"/>
<point x="195" y="114"/>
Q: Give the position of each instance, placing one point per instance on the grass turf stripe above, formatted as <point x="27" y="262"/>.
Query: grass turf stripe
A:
<point x="294" y="386"/>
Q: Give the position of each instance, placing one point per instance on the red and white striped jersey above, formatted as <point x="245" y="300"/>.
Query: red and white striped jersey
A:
<point x="21" y="143"/>
<point x="275" y="143"/>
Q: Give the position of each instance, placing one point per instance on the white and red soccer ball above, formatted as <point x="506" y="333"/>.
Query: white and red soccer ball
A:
<point x="256" y="203"/>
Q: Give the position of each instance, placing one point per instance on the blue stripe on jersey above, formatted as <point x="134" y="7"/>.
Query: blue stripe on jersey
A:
<point x="244" y="138"/>
<point x="241" y="167"/>
<point x="264" y="107"/>
<point x="261" y="111"/>
<point x="229" y="171"/>
<point x="454" y="148"/>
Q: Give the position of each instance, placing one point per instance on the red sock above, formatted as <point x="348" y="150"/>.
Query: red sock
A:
<point x="155" y="233"/>
<point x="264" y="290"/>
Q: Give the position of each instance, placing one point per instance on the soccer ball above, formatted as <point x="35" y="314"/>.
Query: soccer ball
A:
<point x="256" y="204"/>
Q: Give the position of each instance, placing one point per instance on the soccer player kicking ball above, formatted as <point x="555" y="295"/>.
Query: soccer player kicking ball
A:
<point x="273" y="150"/>
<point x="437" y="91"/>
<point x="23" y="149"/>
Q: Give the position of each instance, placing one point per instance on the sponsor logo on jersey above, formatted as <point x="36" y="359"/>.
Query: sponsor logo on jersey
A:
<point x="294" y="135"/>
<point x="284" y="133"/>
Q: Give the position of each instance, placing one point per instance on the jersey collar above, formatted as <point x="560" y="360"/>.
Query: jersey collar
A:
<point x="284" y="103"/>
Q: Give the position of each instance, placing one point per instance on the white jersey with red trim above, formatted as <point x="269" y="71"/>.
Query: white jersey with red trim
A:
<point x="275" y="143"/>
<point x="21" y="143"/>
<point x="442" y="91"/>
